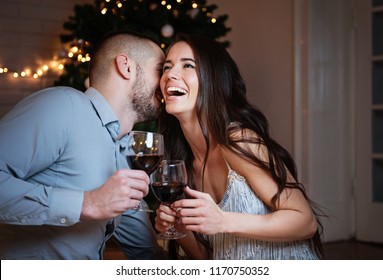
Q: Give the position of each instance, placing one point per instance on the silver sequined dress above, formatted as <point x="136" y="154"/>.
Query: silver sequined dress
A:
<point x="240" y="198"/>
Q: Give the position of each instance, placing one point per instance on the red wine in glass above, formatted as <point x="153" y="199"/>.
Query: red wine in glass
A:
<point x="168" y="192"/>
<point x="168" y="184"/>
<point x="145" y="152"/>
<point x="147" y="163"/>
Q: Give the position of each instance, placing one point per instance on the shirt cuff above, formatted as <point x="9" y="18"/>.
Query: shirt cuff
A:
<point x="65" y="207"/>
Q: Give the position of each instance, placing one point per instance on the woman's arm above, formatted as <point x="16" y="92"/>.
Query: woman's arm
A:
<point x="292" y="218"/>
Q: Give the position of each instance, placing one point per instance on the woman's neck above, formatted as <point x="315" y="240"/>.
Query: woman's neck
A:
<point x="194" y="136"/>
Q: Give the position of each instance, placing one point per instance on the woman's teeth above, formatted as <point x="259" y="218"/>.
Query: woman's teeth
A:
<point x="176" y="91"/>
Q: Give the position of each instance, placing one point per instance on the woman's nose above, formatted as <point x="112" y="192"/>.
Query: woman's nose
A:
<point x="172" y="74"/>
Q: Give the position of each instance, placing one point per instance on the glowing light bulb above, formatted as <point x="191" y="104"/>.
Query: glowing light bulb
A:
<point x="15" y="74"/>
<point x="74" y="49"/>
<point x="195" y="5"/>
<point x="103" y="11"/>
<point x="169" y="7"/>
<point x="213" y="20"/>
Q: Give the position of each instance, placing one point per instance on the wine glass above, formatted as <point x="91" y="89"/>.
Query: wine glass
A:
<point x="168" y="183"/>
<point x="145" y="152"/>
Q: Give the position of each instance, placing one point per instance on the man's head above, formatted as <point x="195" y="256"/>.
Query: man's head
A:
<point x="126" y="67"/>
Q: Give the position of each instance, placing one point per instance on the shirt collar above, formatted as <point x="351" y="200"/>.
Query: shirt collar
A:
<point x="104" y="111"/>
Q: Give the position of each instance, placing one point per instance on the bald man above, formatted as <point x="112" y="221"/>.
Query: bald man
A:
<point x="65" y="186"/>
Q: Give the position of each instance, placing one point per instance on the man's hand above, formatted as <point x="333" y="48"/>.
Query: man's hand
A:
<point x="122" y="191"/>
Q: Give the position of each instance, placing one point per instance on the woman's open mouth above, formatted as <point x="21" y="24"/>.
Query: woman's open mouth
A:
<point x="176" y="91"/>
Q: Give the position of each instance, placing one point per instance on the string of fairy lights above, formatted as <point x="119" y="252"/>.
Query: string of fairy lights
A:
<point x="56" y="64"/>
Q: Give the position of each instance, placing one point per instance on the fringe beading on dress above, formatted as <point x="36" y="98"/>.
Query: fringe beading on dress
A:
<point x="239" y="197"/>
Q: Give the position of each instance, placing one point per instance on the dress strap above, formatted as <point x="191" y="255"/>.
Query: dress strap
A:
<point x="227" y="164"/>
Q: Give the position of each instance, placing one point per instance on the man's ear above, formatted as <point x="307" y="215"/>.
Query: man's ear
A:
<point x="124" y="66"/>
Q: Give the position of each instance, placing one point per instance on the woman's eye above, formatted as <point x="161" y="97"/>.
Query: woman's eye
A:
<point x="188" y="65"/>
<point x="166" y="68"/>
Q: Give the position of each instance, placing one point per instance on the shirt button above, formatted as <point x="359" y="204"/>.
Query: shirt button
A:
<point x="63" y="220"/>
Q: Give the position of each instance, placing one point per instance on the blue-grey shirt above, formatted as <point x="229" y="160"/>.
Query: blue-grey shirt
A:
<point x="55" y="145"/>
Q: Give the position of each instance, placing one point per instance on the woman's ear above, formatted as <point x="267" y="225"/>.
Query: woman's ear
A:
<point x="124" y="66"/>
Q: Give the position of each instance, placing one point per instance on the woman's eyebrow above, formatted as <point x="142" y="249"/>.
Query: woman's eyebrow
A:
<point x="182" y="59"/>
<point x="187" y="59"/>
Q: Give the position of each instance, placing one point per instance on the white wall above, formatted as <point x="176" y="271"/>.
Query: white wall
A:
<point x="262" y="45"/>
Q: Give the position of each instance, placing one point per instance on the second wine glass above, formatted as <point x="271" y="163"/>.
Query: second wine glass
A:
<point x="168" y="185"/>
<point x="145" y="152"/>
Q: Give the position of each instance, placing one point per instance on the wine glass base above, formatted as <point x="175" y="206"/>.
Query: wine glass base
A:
<point x="171" y="235"/>
<point x="143" y="207"/>
<point x="143" y="210"/>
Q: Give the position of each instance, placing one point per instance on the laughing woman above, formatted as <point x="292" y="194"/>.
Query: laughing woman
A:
<point x="244" y="200"/>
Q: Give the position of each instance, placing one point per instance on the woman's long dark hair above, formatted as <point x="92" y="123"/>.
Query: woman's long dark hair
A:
<point x="222" y="110"/>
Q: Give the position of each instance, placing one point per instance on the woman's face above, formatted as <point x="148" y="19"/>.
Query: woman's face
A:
<point x="179" y="81"/>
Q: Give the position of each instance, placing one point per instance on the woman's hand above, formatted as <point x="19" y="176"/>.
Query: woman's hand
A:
<point x="165" y="217"/>
<point x="200" y="213"/>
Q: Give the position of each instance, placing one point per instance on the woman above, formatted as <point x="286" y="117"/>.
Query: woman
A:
<point x="244" y="200"/>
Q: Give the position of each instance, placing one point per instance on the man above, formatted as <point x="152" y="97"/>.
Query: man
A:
<point x="64" y="182"/>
